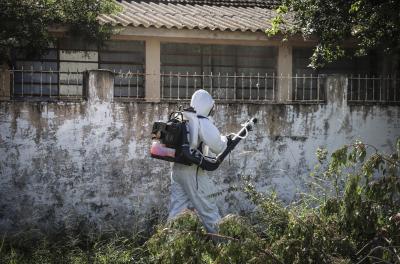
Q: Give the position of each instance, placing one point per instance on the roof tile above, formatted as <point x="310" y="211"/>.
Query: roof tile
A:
<point x="240" y="15"/>
<point x="245" y="3"/>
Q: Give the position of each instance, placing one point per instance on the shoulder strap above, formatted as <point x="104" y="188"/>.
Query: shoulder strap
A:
<point x="189" y="109"/>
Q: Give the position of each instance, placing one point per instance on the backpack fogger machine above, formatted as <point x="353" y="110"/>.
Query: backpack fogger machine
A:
<point x="171" y="143"/>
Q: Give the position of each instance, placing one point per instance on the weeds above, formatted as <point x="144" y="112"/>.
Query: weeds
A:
<point x="74" y="250"/>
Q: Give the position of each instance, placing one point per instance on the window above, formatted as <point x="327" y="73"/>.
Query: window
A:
<point x="59" y="72"/>
<point x="75" y="57"/>
<point x="35" y="76"/>
<point x="227" y="71"/>
<point x="361" y="70"/>
<point x="127" y="60"/>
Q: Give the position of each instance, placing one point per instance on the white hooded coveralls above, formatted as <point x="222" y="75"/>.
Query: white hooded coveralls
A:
<point x="187" y="188"/>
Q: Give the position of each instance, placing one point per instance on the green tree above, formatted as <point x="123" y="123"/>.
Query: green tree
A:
<point x="370" y="24"/>
<point x="25" y="24"/>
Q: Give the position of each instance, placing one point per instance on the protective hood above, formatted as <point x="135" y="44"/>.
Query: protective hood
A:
<point x="202" y="102"/>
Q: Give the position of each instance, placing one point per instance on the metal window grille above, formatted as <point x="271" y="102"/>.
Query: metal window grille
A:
<point x="373" y="89"/>
<point x="129" y="85"/>
<point x="127" y="60"/>
<point x="230" y="72"/>
<point x="45" y="83"/>
<point x="244" y="87"/>
<point x="308" y="87"/>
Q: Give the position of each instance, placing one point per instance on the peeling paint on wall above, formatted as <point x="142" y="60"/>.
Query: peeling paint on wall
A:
<point x="62" y="164"/>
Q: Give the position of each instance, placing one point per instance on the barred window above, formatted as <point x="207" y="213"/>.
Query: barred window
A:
<point x="75" y="57"/>
<point x="228" y="71"/>
<point x="305" y="86"/>
<point x="35" y="76"/>
<point x="127" y="59"/>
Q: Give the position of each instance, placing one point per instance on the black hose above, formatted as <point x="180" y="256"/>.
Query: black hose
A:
<point x="211" y="164"/>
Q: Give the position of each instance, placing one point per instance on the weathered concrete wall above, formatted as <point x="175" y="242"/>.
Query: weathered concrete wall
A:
<point x="65" y="164"/>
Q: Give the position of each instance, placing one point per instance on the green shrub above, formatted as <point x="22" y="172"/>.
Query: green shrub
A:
<point x="182" y="240"/>
<point x="242" y="244"/>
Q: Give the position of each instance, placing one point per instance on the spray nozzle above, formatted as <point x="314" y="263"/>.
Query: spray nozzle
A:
<point x="249" y="124"/>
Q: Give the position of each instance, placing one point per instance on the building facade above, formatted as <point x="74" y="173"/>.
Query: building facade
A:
<point x="165" y="50"/>
<point x="71" y="161"/>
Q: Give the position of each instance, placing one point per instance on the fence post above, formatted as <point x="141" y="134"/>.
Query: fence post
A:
<point x="336" y="89"/>
<point x="152" y="77"/>
<point x="285" y="73"/>
<point x="4" y="83"/>
<point x="98" y="85"/>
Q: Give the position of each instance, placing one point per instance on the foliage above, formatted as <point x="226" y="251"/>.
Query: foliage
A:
<point x="25" y="24"/>
<point x="354" y="223"/>
<point x="244" y="244"/>
<point x="371" y="24"/>
<point x="69" y="249"/>
<point x="183" y="240"/>
<point x="353" y="216"/>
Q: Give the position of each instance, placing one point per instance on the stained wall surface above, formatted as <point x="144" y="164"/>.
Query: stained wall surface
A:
<point x="67" y="164"/>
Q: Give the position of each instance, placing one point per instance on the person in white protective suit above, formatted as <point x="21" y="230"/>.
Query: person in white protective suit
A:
<point x="190" y="185"/>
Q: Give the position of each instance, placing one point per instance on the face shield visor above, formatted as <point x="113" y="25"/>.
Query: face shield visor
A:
<point x="212" y="111"/>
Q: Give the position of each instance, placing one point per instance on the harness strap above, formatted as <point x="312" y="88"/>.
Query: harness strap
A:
<point x="197" y="181"/>
<point x="200" y="148"/>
